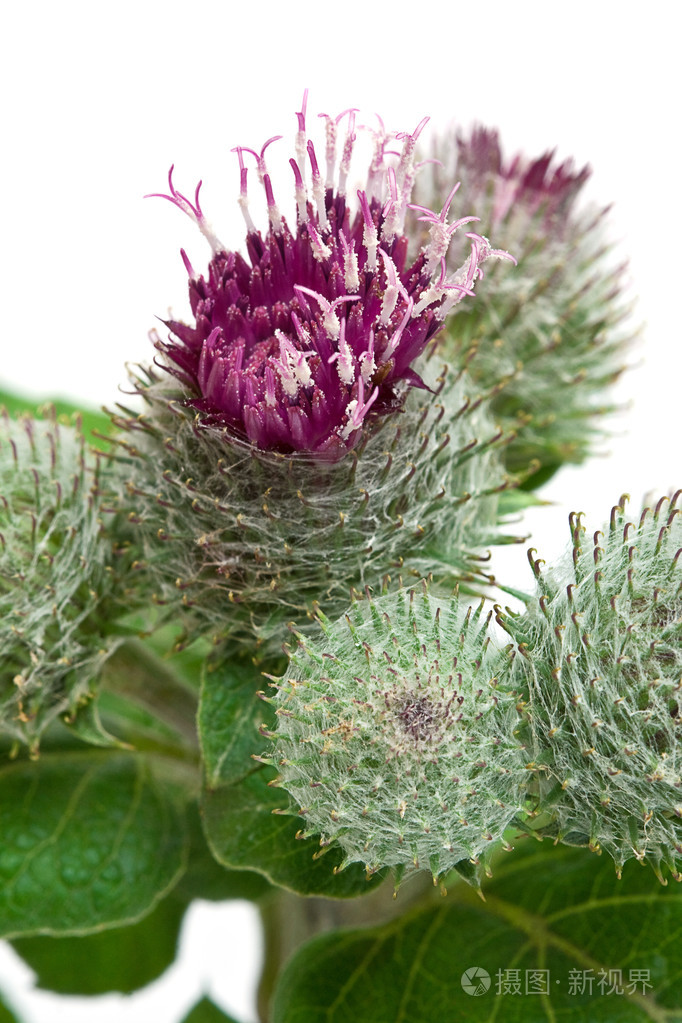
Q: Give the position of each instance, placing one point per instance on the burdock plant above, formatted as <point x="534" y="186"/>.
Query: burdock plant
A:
<point x="302" y="505"/>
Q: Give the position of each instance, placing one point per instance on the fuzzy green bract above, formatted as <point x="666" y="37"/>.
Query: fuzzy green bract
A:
<point x="395" y="738"/>
<point x="558" y="320"/>
<point x="602" y="665"/>
<point x="56" y="577"/>
<point x="240" y="541"/>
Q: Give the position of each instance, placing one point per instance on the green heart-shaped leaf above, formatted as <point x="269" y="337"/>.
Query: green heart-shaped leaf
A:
<point x="555" y="923"/>
<point x="88" y="841"/>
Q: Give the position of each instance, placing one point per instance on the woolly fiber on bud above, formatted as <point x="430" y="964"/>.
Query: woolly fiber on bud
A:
<point x="394" y="739"/>
<point x="54" y="575"/>
<point x="556" y="324"/>
<point x="240" y="541"/>
<point x="602" y="662"/>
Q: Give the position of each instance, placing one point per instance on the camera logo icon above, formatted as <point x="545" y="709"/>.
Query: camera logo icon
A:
<point x="475" y="980"/>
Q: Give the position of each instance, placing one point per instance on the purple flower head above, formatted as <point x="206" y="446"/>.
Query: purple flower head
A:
<point x="534" y="184"/>
<point x="297" y="346"/>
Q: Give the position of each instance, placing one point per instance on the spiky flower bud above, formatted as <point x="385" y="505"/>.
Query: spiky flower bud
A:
<point x="289" y="450"/>
<point x="394" y="738"/>
<point x="555" y="323"/>
<point x="54" y="575"/>
<point x="602" y="665"/>
<point x="241" y="541"/>
<point x="296" y="349"/>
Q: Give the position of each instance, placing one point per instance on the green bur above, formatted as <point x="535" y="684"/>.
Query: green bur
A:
<point x="395" y="738"/>
<point x="56" y="575"/>
<point x="238" y="542"/>
<point x="552" y="333"/>
<point x="601" y="664"/>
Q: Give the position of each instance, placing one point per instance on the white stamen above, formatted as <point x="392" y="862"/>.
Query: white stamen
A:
<point x="366" y="360"/>
<point x="394" y="288"/>
<point x="440" y="232"/>
<point x="452" y="300"/>
<point x="390" y="210"/>
<point x="243" y="197"/>
<point x="302" y="369"/>
<point x="275" y="217"/>
<point x="284" y="367"/>
<point x="347" y="153"/>
<point x="371" y="242"/>
<point x="330" y="149"/>
<point x="407" y="155"/>
<point x="350" y="426"/>
<point x="351" y="272"/>
<point x="320" y="250"/>
<point x="318" y="196"/>
<point x="301" y="203"/>
<point x="357" y="409"/>
<point x="431" y="294"/>
<point x="388" y="304"/>
<point x="244" y="207"/>
<point x="370" y="238"/>
<point x="330" y="321"/>
<point x="452" y="290"/>
<point x="293" y="368"/>
<point x="288" y="381"/>
<point x="343" y="358"/>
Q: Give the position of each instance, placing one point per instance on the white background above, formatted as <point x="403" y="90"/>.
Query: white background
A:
<point x="98" y="101"/>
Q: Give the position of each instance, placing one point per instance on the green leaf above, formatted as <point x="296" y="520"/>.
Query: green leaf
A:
<point x="205" y="878"/>
<point x="180" y="654"/>
<point x="515" y="502"/>
<point x="555" y="910"/>
<point x="5" y="1015"/>
<point x="89" y="840"/>
<point x="230" y="713"/>
<point x="119" y="959"/>
<point x="244" y="834"/>
<point x="206" y="1012"/>
<point x="86" y="724"/>
<point x="543" y="475"/>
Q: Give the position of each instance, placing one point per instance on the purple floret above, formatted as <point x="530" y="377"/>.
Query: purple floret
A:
<point x="299" y="345"/>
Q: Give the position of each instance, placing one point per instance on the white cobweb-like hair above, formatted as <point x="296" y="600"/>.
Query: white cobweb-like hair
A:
<point x="602" y="661"/>
<point x="395" y="737"/>
<point x="240" y="541"/>
<point x="55" y="575"/>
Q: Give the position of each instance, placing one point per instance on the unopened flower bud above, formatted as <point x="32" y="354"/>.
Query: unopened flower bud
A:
<point x="600" y="657"/>
<point x="55" y="575"/>
<point x="395" y="738"/>
<point x="238" y="541"/>
<point x="552" y="335"/>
